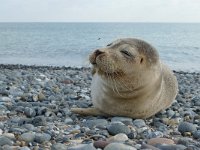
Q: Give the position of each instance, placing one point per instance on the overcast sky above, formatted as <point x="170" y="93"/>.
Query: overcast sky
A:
<point x="99" y="10"/>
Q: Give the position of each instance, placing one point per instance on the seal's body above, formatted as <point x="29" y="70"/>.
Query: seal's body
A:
<point x="129" y="80"/>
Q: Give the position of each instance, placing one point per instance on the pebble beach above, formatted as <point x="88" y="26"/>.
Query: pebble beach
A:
<point x="35" y="103"/>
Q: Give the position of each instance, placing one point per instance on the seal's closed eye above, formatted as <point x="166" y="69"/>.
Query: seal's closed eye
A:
<point x="126" y="53"/>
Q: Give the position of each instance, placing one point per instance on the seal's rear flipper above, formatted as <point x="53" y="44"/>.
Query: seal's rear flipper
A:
<point x="88" y="112"/>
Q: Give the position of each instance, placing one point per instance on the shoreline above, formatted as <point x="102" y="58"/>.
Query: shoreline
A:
<point x="20" y="66"/>
<point x="35" y="103"/>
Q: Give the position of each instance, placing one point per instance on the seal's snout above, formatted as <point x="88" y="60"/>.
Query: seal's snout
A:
<point x="94" y="56"/>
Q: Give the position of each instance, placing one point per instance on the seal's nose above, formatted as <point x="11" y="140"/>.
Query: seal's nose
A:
<point x="98" y="52"/>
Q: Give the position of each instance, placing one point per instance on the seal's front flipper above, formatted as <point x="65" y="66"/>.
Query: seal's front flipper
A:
<point x="88" y="112"/>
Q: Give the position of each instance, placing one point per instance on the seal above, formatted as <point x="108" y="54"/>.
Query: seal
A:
<point x="129" y="80"/>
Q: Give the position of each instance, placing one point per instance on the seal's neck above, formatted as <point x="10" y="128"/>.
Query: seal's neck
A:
<point x="134" y="86"/>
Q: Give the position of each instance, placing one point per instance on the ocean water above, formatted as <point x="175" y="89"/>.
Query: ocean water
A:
<point x="69" y="44"/>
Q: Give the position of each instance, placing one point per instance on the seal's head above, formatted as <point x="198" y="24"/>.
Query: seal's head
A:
<point x="124" y="57"/>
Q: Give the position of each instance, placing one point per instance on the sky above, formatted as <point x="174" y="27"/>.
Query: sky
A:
<point x="99" y="10"/>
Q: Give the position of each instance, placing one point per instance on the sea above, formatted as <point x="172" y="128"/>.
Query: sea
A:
<point x="69" y="44"/>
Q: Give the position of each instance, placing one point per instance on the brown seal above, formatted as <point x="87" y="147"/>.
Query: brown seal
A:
<point x="129" y="80"/>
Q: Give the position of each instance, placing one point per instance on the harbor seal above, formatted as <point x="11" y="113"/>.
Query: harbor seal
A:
<point x="129" y="80"/>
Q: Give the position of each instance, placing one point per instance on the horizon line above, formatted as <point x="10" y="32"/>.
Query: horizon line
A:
<point x="93" y="22"/>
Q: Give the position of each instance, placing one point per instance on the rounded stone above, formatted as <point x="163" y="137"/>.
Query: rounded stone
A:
<point x="171" y="147"/>
<point x="139" y="123"/>
<point x="132" y="135"/>
<point x="82" y="147"/>
<point x="116" y="128"/>
<point x="41" y="97"/>
<point x="155" y="141"/>
<point x="100" y="144"/>
<point x="148" y="147"/>
<point x="95" y="123"/>
<point x="68" y="120"/>
<point x="118" y="146"/>
<point x="5" y="141"/>
<point x="42" y="137"/>
<point x="24" y="148"/>
<point x="196" y="134"/>
<point x="121" y="137"/>
<point x="186" y="127"/>
<point x="28" y="137"/>
<point x="58" y="146"/>
<point x="39" y="121"/>
<point x="29" y="112"/>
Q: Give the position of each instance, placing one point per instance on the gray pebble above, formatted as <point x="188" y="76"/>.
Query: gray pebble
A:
<point x="68" y="120"/>
<point x="118" y="146"/>
<point x="82" y="147"/>
<point x="58" y="146"/>
<point x="42" y="137"/>
<point x="155" y="134"/>
<point x="186" y="127"/>
<point x="184" y="141"/>
<point x="28" y="137"/>
<point x="29" y="127"/>
<point x="5" y="141"/>
<point x="196" y="134"/>
<point x="24" y="148"/>
<point x="29" y="112"/>
<point x="132" y="135"/>
<point x="95" y="123"/>
<point x="170" y="113"/>
<point x="39" y="121"/>
<point x="139" y="123"/>
<point x="171" y="147"/>
<point x="116" y="128"/>
<point x="18" y="130"/>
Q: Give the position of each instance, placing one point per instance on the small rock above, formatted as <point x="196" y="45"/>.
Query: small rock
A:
<point x="41" y="97"/>
<point x="171" y="147"/>
<point x="28" y="137"/>
<point x="170" y="113"/>
<point x="29" y="112"/>
<point x="29" y="127"/>
<point x="100" y="144"/>
<point x="184" y="141"/>
<point x="155" y="134"/>
<point x="39" y="121"/>
<point x="155" y="141"/>
<point x="149" y="147"/>
<point x="24" y="148"/>
<point x="116" y="128"/>
<point x="5" y="141"/>
<point x="82" y="147"/>
<point x="9" y="135"/>
<point x="139" y="123"/>
<point x="42" y="137"/>
<point x="121" y="137"/>
<point x="186" y="127"/>
<point x="132" y="135"/>
<point x="95" y="123"/>
<point x="58" y="146"/>
<point x="118" y="146"/>
<point x="196" y="134"/>
<point x="68" y="120"/>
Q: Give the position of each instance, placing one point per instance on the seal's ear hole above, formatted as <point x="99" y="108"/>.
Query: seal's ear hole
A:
<point x="141" y="60"/>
